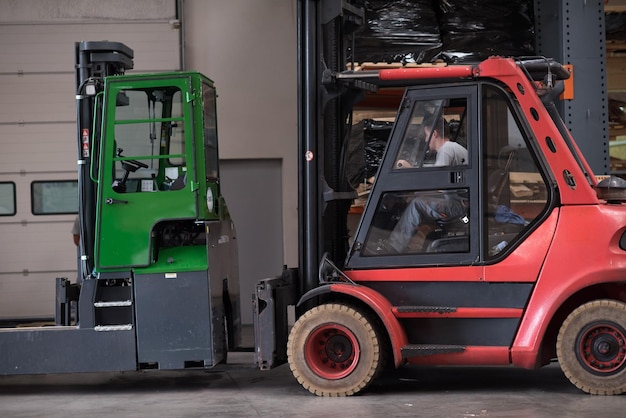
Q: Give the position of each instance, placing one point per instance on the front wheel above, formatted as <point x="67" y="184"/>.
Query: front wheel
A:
<point x="334" y="350"/>
<point x="591" y="347"/>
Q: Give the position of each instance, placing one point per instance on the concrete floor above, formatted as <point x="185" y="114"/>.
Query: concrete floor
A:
<point x="239" y="390"/>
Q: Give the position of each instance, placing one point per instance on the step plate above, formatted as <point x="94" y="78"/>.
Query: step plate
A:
<point x="414" y="350"/>
<point x="423" y="309"/>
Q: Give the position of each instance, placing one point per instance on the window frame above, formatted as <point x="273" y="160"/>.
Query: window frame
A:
<point x="535" y="156"/>
<point x="33" y="199"/>
<point x="14" y="198"/>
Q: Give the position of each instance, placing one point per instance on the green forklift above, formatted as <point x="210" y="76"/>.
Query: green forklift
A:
<point x="158" y="279"/>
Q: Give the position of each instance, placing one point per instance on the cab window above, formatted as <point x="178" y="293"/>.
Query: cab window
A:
<point x="514" y="190"/>
<point x="435" y="135"/>
<point x="210" y="131"/>
<point x="149" y="140"/>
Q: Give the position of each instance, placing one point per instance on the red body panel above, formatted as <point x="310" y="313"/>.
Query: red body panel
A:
<point x="585" y="251"/>
<point x="526" y="260"/>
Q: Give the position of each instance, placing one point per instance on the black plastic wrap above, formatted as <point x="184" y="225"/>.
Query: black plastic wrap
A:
<point x="355" y="170"/>
<point x="364" y="150"/>
<point x="473" y="30"/>
<point x="418" y="31"/>
<point x="615" y="24"/>
<point x="398" y="31"/>
<point x="375" y="134"/>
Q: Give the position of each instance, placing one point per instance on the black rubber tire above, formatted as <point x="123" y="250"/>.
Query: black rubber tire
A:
<point x="334" y="350"/>
<point x="591" y="347"/>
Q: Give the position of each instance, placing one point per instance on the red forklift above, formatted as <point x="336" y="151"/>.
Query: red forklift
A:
<point x="514" y="254"/>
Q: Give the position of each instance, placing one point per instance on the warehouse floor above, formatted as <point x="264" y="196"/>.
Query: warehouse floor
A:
<point x="239" y="390"/>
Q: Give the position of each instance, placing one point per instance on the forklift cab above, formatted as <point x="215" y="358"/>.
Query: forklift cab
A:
<point x="421" y="212"/>
<point x="159" y="163"/>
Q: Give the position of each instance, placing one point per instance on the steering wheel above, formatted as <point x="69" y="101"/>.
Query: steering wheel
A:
<point x="130" y="165"/>
<point x="133" y="165"/>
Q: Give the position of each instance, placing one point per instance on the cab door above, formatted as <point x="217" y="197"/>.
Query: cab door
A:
<point x="412" y="180"/>
<point x="458" y="280"/>
<point x="147" y="160"/>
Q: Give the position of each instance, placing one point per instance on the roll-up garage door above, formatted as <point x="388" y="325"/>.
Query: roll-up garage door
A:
<point x="38" y="195"/>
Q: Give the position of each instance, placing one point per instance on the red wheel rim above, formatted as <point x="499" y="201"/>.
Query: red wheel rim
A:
<point x="332" y="351"/>
<point x="602" y="348"/>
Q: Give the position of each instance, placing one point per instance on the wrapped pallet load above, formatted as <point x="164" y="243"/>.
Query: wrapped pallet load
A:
<point x="403" y="31"/>
<point x="473" y="30"/>
<point x="424" y="31"/>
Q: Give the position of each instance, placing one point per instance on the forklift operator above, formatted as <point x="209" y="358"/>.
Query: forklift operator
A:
<point x="448" y="153"/>
<point x="447" y="207"/>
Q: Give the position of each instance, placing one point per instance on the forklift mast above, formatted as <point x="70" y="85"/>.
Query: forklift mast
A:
<point x="324" y="196"/>
<point x="93" y="62"/>
<point x="325" y="28"/>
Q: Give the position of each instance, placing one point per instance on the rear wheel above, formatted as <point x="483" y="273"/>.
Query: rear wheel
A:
<point x="334" y="350"/>
<point x="591" y="347"/>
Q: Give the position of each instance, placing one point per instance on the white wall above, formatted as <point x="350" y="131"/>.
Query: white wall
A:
<point x="248" y="47"/>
